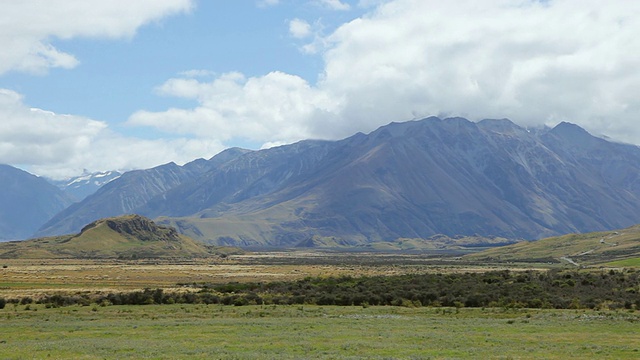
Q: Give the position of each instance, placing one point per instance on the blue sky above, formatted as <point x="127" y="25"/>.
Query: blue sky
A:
<point x="217" y="35"/>
<point x="100" y="85"/>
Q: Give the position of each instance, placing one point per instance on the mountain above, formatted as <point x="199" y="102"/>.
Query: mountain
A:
<point x="79" y="187"/>
<point x="131" y="190"/>
<point x="26" y="203"/>
<point x="613" y="248"/>
<point x="408" y="180"/>
<point x="414" y="180"/>
<point x="130" y="237"/>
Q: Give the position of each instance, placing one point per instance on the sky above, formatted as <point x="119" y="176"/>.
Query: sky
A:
<point x="96" y="85"/>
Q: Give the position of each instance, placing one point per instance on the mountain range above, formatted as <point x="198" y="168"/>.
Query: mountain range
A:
<point x="26" y="203"/>
<point x="409" y="180"/>
<point x="79" y="187"/>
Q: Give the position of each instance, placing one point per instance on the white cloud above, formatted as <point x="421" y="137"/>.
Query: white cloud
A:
<point x="35" y="136"/>
<point x="28" y="26"/>
<point x="273" y="108"/>
<point x="63" y="145"/>
<point x="299" y="29"/>
<point x="532" y="61"/>
<point x="333" y="4"/>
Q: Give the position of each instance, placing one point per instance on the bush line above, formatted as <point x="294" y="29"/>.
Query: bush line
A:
<point x="514" y="289"/>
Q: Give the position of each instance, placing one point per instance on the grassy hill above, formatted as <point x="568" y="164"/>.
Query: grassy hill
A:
<point x="128" y="237"/>
<point x="615" y="248"/>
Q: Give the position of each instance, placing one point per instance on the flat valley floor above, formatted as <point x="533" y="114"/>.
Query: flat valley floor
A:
<point x="199" y="331"/>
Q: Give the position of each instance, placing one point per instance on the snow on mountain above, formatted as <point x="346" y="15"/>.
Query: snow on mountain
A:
<point x="79" y="187"/>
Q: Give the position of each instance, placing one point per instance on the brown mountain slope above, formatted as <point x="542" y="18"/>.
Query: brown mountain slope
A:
<point x="413" y="180"/>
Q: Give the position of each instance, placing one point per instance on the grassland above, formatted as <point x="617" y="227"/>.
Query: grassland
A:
<point x="199" y="331"/>
<point x="295" y="332"/>
<point x="28" y="277"/>
<point x="590" y="249"/>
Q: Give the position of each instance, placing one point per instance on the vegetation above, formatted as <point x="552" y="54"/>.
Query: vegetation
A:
<point x="327" y="332"/>
<point x="505" y="289"/>
<point x="589" y="249"/>
<point x="528" y="289"/>
<point x="263" y="306"/>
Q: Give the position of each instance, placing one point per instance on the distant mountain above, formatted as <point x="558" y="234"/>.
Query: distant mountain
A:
<point x="26" y="203"/>
<point x="128" y="192"/>
<point x="407" y="180"/>
<point x="126" y="237"/>
<point x="414" y="180"/>
<point x="79" y="187"/>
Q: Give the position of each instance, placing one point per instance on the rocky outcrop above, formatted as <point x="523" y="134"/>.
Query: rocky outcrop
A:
<point x="137" y="226"/>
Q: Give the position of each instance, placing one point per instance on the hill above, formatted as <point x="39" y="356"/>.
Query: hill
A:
<point x="615" y="248"/>
<point x="26" y="203"/>
<point x="128" y="237"/>
<point x="408" y="180"/>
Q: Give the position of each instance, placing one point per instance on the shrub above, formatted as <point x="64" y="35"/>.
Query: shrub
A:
<point x="26" y="300"/>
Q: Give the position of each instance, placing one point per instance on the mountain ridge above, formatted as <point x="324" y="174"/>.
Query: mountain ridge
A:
<point x="128" y="192"/>
<point x="79" y="187"/>
<point x="414" y="179"/>
<point x="26" y="202"/>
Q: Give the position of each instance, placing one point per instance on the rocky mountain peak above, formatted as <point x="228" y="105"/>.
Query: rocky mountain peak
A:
<point x="569" y="130"/>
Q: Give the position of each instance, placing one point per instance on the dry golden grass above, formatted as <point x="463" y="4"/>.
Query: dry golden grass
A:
<point x="25" y="277"/>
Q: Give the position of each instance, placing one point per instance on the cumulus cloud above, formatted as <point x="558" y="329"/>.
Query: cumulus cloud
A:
<point x="276" y="108"/>
<point x="63" y="145"/>
<point x="28" y="26"/>
<point x="299" y="29"/>
<point x="37" y="137"/>
<point x="535" y="62"/>
<point x="60" y="146"/>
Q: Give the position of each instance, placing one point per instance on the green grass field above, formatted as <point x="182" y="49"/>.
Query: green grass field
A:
<point x="633" y="262"/>
<point x="312" y="332"/>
